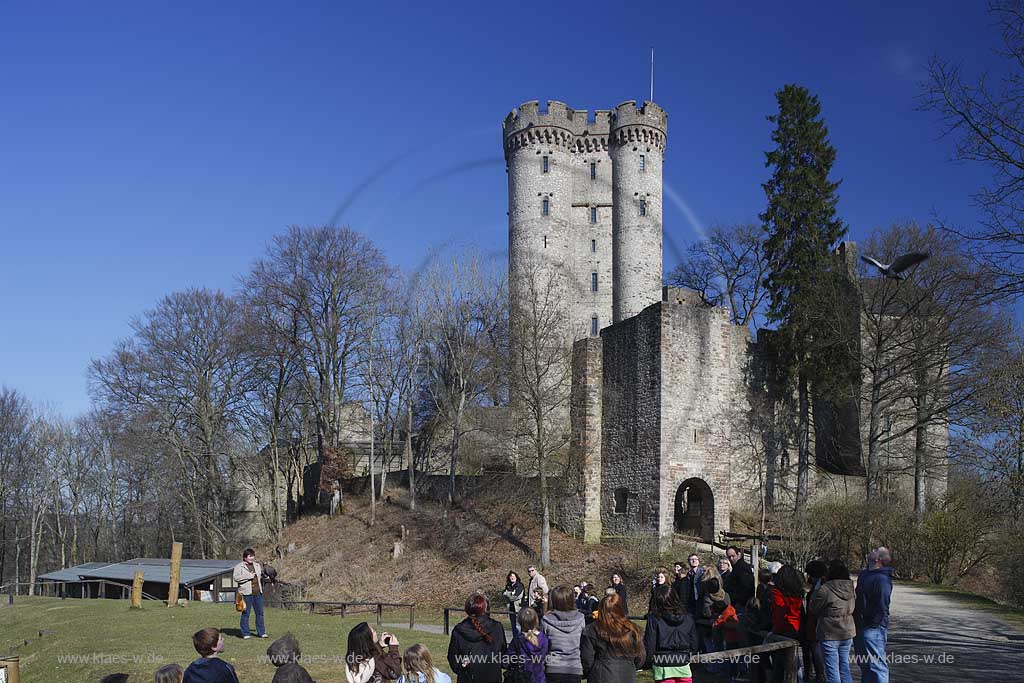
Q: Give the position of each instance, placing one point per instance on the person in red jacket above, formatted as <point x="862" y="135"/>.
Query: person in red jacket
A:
<point x="726" y="624"/>
<point x="787" y="597"/>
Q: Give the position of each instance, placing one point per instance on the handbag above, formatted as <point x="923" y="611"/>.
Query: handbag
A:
<point x="239" y="601"/>
<point x="517" y="676"/>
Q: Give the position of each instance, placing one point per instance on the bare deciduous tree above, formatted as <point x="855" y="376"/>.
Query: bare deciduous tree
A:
<point x="986" y="122"/>
<point x="540" y="377"/>
<point x="728" y="269"/>
<point x="463" y="303"/>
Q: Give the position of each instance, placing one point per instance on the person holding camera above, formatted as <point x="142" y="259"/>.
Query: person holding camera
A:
<point x="369" y="659"/>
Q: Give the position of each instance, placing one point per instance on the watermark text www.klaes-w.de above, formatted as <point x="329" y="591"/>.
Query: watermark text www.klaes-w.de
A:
<point x="111" y="658"/>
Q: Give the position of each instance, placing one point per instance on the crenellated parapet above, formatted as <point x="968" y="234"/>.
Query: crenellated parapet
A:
<point x="647" y="124"/>
<point x="561" y="126"/>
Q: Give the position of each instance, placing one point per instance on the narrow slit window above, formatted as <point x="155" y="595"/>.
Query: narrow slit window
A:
<point x="643" y="207"/>
<point x="545" y="241"/>
<point x="621" y="501"/>
<point x="643" y="163"/>
<point x="593" y="282"/>
<point x="546" y="207"/>
<point x="593" y="246"/>
<point x="546" y="164"/>
<point x="593" y="170"/>
<point x="593" y="326"/>
<point x="593" y="214"/>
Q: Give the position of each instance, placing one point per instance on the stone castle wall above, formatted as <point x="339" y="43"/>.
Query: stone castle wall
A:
<point x="703" y="376"/>
<point x="631" y="425"/>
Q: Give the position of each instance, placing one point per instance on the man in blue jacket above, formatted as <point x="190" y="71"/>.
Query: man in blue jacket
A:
<point x="871" y="615"/>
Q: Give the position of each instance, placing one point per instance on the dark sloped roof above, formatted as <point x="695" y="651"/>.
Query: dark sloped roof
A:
<point x="157" y="570"/>
<point x="71" y="573"/>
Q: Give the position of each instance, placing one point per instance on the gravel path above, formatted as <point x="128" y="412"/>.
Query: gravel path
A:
<point x="950" y="642"/>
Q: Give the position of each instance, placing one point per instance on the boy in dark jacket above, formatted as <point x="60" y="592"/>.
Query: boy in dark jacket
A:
<point x="208" y="668"/>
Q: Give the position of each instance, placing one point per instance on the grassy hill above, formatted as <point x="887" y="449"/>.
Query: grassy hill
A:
<point x="84" y="640"/>
<point x="344" y="558"/>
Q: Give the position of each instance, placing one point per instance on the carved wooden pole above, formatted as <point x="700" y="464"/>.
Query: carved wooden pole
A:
<point x="172" y="589"/>
<point x="9" y="667"/>
<point x="137" y="590"/>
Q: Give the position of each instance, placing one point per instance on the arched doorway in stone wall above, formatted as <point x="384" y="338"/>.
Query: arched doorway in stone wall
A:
<point x="695" y="509"/>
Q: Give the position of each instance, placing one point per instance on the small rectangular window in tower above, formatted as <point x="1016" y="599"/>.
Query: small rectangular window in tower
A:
<point x="643" y="207"/>
<point x="593" y="327"/>
<point x="593" y="246"/>
<point x="545" y="241"/>
<point x="593" y="282"/>
<point x="593" y="214"/>
<point x="621" y="501"/>
<point x="545" y="165"/>
<point x="643" y="162"/>
<point x="593" y="170"/>
<point x="546" y="207"/>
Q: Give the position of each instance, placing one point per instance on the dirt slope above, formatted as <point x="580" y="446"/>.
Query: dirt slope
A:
<point x="344" y="558"/>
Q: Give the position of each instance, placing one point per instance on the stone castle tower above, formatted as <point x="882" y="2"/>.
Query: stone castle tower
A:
<point x="585" y="199"/>
<point x="658" y="418"/>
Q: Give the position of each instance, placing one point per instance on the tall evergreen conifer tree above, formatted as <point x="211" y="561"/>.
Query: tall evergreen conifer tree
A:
<point x="803" y="231"/>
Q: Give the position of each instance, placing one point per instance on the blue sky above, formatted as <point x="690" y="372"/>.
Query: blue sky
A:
<point x="151" y="147"/>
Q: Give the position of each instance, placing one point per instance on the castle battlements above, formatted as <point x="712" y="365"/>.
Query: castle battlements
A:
<point x="648" y="124"/>
<point x="561" y="125"/>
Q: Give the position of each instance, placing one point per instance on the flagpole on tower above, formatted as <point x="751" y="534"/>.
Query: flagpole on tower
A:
<point x="652" y="74"/>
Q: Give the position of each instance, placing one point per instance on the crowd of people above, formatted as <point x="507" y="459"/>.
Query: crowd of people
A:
<point x="723" y="611"/>
<point x="568" y="633"/>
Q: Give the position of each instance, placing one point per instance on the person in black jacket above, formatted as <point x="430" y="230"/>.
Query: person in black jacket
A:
<point x="670" y="636"/>
<point x="611" y="648"/>
<point x="477" y="646"/>
<point x="739" y="582"/>
<point x="620" y="588"/>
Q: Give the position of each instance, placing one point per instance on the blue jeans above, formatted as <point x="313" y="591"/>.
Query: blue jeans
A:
<point x="836" y="654"/>
<point x="515" y="623"/>
<point x="253" y="603"/>
<point x="870" y="648"/>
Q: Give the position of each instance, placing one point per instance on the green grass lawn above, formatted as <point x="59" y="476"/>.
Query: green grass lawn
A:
<point x="114" y="639"/>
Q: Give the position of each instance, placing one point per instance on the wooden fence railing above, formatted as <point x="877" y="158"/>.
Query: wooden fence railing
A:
<point x="348" y="608"/>
<point x="57" y="589"/>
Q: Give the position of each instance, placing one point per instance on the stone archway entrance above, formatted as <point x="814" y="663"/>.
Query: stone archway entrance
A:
<point x="695" y="510"/>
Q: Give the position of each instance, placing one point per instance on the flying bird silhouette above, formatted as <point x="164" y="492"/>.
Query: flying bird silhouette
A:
<point x="895" y="269"/>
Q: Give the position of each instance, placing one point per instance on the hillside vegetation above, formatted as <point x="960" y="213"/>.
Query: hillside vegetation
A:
<point x="344" y="558"/>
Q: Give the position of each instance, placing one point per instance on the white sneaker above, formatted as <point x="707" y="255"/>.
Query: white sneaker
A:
<point x="264" y="636"/>
<point x="246" y="637"/>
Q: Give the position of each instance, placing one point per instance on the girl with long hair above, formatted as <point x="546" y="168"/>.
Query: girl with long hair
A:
<point x="563" y="626"/>
<point x="620" y="587"/>
<point x="787" y="601"/>
<point x="418" y="667"/>
<point x="515" y="597"/>
<point x="612" y="647"/>
<point x="477" y="646"/>
<point x="670" y="636"/>
<point x="369" y="659"/>
<point x="528" y="650"/>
